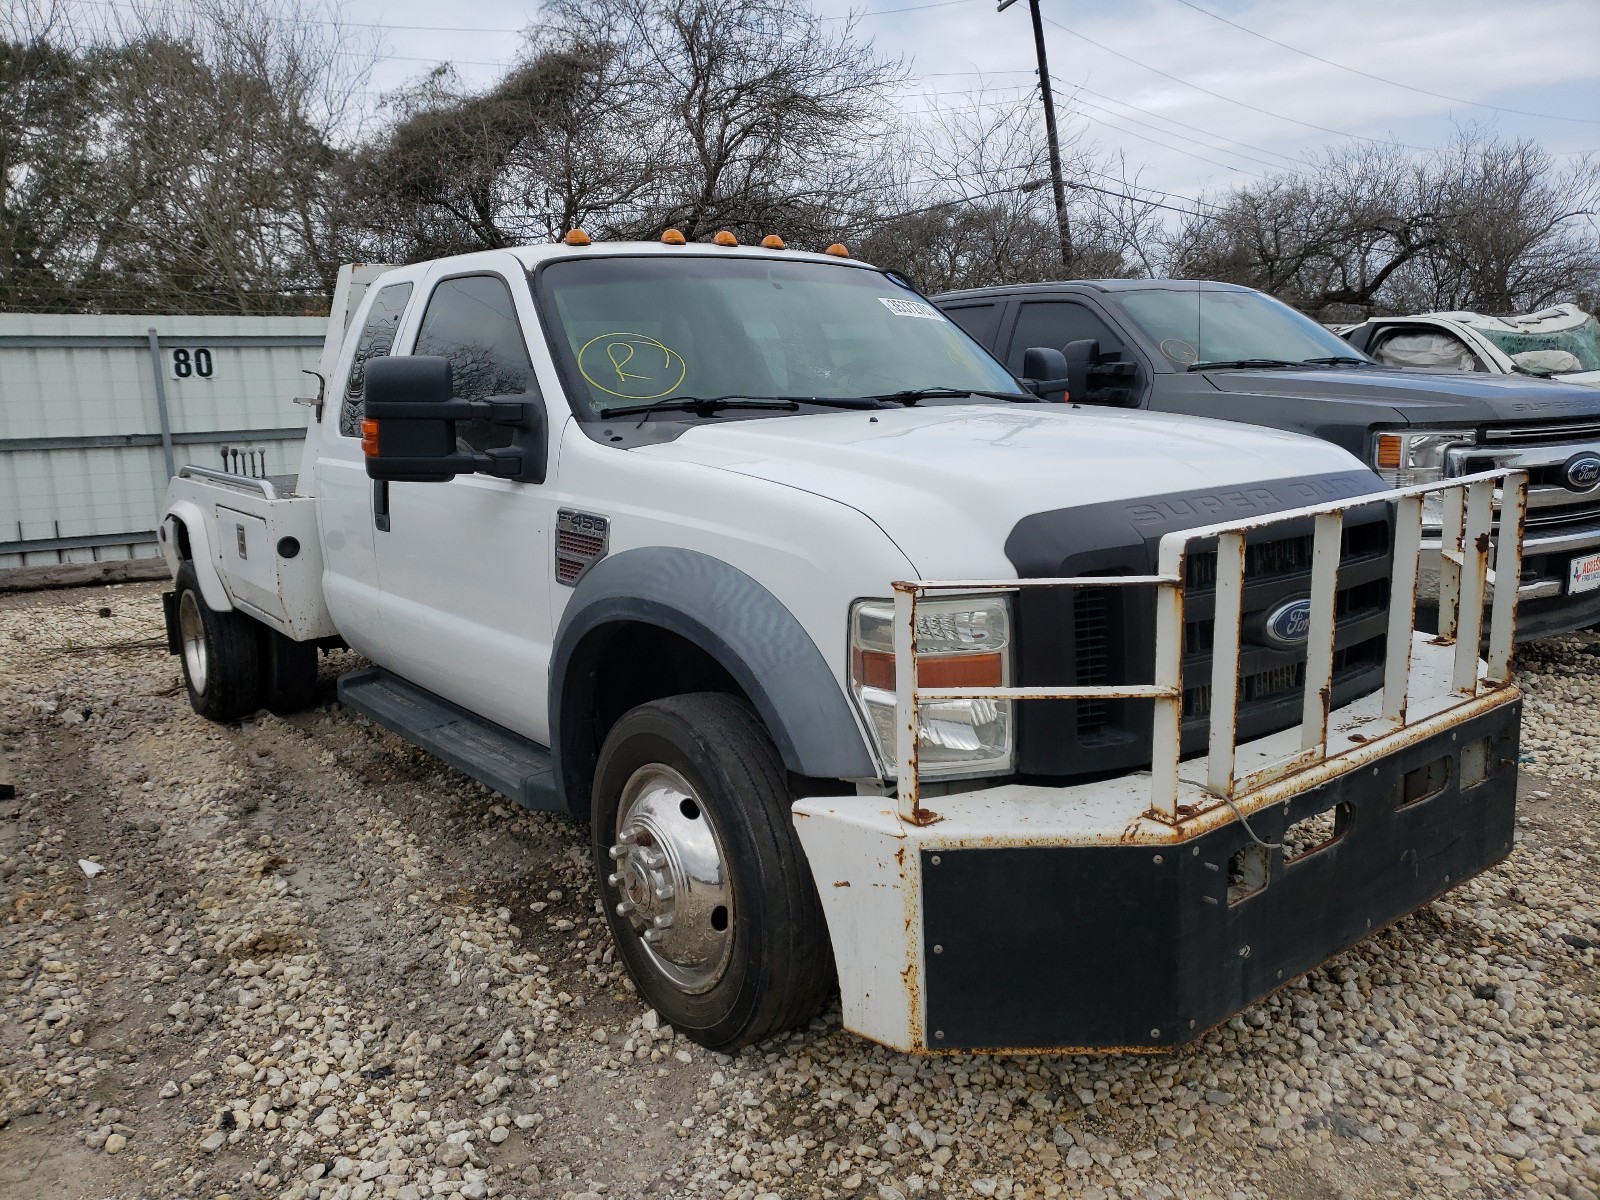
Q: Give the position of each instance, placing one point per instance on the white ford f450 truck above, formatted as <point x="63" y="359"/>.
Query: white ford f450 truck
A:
<point x="1038" y="727"/>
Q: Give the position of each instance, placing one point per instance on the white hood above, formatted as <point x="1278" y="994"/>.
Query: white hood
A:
<point x="948" y="483"/>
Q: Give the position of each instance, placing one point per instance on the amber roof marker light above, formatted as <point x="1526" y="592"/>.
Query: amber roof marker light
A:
<point x="772" y="242"/>
<point x="837" y="250"/>
<point x="724" y="238"/>
<point x="575" y="237"/>
<point x="674" y="237"/>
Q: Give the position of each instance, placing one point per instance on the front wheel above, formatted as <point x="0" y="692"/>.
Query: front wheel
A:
<point x="705" y="886"/>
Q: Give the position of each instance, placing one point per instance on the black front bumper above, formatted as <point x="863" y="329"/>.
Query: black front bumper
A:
<point x="1121" y="947"/>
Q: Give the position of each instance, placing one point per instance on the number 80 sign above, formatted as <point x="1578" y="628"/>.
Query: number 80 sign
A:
<point x="189" y="362"/>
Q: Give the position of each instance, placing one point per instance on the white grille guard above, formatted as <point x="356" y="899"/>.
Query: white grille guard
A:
<point x="1465" y="580"/>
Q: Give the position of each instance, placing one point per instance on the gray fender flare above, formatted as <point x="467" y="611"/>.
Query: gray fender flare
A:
<point x="736" y="621"/>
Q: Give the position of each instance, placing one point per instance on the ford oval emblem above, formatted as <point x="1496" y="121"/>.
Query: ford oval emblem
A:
<point x="1289" y="624"/>
<point x="1582" y="471"/>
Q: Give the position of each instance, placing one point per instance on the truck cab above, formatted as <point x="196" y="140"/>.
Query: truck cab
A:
<point x="866" y="665"/>
<point x="1235" y="354"/>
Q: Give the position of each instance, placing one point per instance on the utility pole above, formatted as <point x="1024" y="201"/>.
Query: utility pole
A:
<point x="1063" y="226"/>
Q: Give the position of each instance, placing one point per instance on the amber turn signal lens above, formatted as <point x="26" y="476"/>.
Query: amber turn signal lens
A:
<point x="837" y="250"/>
<point x="576" y="237"/>
<point x="674" y="237"/>
<point x="1389" y="445"/>
<point x="369" y="437"/>
<point x="773" y="242"/>
<point x="875" y="669"/>
<point x="724" y="238"/>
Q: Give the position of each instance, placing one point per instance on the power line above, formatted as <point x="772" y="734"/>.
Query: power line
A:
<point x="1264" y="112"/>
<point x="1379" y="78"/>
<point x="1169" y="133"/>
<point x="1198" y="129"/>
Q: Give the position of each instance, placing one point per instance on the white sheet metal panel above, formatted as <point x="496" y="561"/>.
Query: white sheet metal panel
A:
<point x="82" y="466"/>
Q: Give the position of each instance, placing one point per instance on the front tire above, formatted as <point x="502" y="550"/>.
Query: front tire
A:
<point x="706" y="889"/>
<point x="220" y="653"/>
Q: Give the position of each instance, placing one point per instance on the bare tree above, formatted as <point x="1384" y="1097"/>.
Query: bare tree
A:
<point x="973" y="207"/>
<point x="768" y="117"/>
<point x="1483" y="223"/>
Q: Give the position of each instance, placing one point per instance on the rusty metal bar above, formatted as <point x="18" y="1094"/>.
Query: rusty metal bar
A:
<point x="1454" y="506"/>
<point x="1224" y="712"/>
<point x="1132" y="691"/>
<point x="908" y="722"/>
<point x="1017" y="585"/>
<point x="1402" y="608"/>
<point x="1479" y="518"/>
<point x="1507" y="577"/>
<point x="1325" y="549"/>
<point x="1165" y="741"/>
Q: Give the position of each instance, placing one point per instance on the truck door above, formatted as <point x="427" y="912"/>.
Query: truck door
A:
<point x="464" y="565"/>
<point x="344" y="493"/>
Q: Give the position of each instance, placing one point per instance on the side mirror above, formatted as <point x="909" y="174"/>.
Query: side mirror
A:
<point x="1079" y="357"/>
<point x="1044" y="371"/>
<point x="408" y="431"/>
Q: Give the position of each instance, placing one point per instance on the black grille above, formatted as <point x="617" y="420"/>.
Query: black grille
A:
<point x="1089" y="620"/>
<point x="1105" y="637"/>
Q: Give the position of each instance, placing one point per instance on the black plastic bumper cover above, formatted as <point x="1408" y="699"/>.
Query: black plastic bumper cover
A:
<point x="1131" y="947"/>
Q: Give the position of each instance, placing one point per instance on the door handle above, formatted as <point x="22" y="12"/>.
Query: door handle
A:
<point x="380" y="504"/>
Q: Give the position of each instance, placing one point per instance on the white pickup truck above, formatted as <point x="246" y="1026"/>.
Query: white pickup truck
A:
<point x="1035" y="726"/>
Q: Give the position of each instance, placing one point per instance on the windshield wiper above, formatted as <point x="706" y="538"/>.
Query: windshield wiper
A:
<point x="912" y="395"/>
<point x="1243" y="362"/>
<point x="1335" y="360"/>
<point x="706" y="406"/>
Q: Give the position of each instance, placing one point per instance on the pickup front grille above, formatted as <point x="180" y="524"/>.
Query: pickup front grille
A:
<point x="1111" y="643"/>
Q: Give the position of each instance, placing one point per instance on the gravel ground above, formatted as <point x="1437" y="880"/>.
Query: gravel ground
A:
<point x="320" y="964"/>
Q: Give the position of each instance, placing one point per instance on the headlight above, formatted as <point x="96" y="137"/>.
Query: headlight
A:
<point x="1407" y="459"/>
<point x="960" y="643"/>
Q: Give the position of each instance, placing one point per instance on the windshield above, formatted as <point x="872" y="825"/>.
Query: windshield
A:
<point x="1583" y="343"/>
<point x="1202" y="325"/>
<point x="644" y="330"/>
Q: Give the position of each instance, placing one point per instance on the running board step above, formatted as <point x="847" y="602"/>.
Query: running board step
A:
<point x="493" y="755"/>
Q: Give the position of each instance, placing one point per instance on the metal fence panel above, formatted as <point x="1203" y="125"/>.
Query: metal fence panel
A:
<point x="84" y="451"/>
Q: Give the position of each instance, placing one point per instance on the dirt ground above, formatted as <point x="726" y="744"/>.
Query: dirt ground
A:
<point x="313" y="962"/>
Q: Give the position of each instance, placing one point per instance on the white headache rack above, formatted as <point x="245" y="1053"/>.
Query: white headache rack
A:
<point x="1466" y="578"/>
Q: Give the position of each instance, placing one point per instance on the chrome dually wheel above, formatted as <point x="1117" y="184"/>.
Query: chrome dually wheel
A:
<point x="704" y="883"/>
<point x="191" y="628"/>
<point x="670" y="878"/>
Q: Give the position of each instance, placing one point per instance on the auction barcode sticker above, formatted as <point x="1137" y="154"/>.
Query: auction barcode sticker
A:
<point x="910" y="308"/>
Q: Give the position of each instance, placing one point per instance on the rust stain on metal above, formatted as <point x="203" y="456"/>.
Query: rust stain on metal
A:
<point x="1483" y="542"/>
<point x="924" y="816"/>
<point x="841" y="883"/>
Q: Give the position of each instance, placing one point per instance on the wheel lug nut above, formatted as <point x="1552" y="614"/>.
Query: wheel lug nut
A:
<point x="618" y="852"/>
<point x="662" y="922"/>
<point x="614" y="880"/>
<point x="662" y="891"/>
<point x="627" y="837"/>
<point x="626" y="907"/>
<point x="652" y="936"/>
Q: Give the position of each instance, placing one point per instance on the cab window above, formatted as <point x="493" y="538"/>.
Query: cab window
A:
<point x="1054" y="323"/>
<point x="472" y="321"/>
<point x="376" y="340"/>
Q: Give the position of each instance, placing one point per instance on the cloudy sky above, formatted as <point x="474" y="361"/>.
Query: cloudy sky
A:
<point x="1198" y="103"/>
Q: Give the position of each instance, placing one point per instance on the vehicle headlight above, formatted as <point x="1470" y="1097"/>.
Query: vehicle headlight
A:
<point x="960" y="643"/>
<point x="1405" y="459"/>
